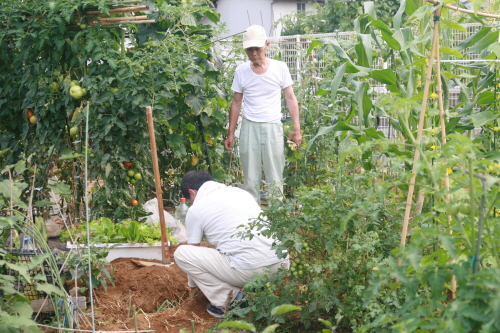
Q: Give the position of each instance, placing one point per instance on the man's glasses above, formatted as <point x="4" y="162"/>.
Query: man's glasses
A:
<point x="253" y="49"/>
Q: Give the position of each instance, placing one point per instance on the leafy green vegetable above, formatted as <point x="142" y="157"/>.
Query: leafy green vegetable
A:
<point x="103" y="230"/>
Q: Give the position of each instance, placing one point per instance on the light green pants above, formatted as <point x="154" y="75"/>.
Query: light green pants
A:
<point x="262" y="147"/>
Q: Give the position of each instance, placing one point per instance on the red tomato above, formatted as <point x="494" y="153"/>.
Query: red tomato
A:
<point x="134" y="202"/>
<point x="30" y="114"/>
<point x="127" y="164"/>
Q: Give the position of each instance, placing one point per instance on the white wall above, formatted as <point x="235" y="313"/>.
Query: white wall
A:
<point x="240" y="14"/>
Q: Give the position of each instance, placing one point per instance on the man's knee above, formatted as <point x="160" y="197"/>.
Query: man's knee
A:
<point x="181" y="253"/>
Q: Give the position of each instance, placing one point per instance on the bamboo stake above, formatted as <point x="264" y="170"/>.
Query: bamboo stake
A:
<point x="128" y="18"/>
<point x="121" y="22"/>
<point x="409" y="199"/>
<point x="450" y="6"/>
<point x="442" y="116"/>
<point x="165" y="256"/>
<point x="120" y="10"/>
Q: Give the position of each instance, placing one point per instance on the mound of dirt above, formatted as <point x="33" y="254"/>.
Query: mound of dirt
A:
<point x="159" y="295"/>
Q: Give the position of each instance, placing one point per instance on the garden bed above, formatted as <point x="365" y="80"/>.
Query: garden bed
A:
<point x="163" y="302"/>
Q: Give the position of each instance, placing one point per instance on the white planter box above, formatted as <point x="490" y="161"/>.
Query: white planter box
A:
<point x="127" y="250"/>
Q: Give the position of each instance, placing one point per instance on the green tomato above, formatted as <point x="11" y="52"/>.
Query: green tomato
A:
<point x="127" y="179"/>
<point x="137" y="176"/>
<point x="133" y="181"/>
<point x="452" y="209"/>
<point x="130" y="173"/>
<point x="464" y="209"/>
<point x="73" y="131"/>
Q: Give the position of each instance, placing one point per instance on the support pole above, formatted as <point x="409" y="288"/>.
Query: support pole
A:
<point x="411" y="188"/>
<point x="442" y="117"/>
<point x="165" y="255"/>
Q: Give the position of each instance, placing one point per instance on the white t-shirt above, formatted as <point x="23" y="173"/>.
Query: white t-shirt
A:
<point x="262" y="93"/>
<point x="217" y="214"/>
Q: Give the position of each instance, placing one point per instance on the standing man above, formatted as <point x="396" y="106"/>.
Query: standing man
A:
<point x="258" y="83"/>
<point x="218" y="213"/>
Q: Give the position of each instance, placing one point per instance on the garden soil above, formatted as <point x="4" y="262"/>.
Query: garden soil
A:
<point x="158" y="295"/>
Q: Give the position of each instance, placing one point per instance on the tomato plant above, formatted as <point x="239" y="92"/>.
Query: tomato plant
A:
<point x="70" y="72"/>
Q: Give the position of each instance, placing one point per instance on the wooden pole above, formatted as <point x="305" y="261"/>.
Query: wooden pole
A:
<point x="120" y="10"/>
<point x="128" y="18"/>
<point x="442" y="117"/>
<point x="92" y="23"/>
<point x="411" y="188"/>
<point x="165" y="256"/>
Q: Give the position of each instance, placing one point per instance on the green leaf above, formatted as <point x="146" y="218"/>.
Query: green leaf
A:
<point x="473" y="39"/>
<point x="481" y="118"/>
<point x="448" y="50"/>
<point x="391" y="41"/>
<point x="43" y="203"/>
<point x="49" y="289"/>
<point x="314" y="44"/>
<point x="22" y="269"/>
<point x="239" y="324"/>
<point x="6" y="188"/>
<point x="284" y="309"/>
<point x="451" y="76"/>
<point x="213" y="16"/>
<point x="337" y="80"/>
<point x="340" y="126"/>
<point x="336" y="46"/>
<point x="270" y="328"/>
<point x="448" y="244"/>
<point x="382" y="26"/>
<point x="195" y="101"/>
<point x="494" y="47"/>
<point x="67" y="154"/>
<point x="5" y="151"/>
<point x="486" y="97"/>
<point x="60" y="188"/>
<point x="451" y="24"/>
<point x="385" y="76"/>
<point x="326" y="322"/>
<point x="37" y="261"/>
<point x="484" y="43"/>
<point x="189" y="19"/>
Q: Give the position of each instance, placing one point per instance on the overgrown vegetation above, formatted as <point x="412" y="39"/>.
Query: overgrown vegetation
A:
<point x="334" y="16"/>
<point x="346" y="189"/>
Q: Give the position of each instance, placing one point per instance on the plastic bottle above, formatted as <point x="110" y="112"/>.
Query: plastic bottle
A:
<point x="27" y="244"/>
<point x="183" y="209"/>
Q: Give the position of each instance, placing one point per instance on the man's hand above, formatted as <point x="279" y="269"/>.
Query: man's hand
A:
<point x="229" y="142"/>
<point x="296" y="137"/>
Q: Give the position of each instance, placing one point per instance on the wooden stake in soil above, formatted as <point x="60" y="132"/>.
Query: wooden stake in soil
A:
<point x="165" y="255"/>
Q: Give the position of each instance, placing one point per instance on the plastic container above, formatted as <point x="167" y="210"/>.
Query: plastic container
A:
<point x="182" y="210"/>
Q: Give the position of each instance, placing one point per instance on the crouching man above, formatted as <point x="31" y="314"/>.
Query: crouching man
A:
<point x="218" y="212"/>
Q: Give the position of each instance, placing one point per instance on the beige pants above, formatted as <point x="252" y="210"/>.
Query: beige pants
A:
<point x="210" y="271"/>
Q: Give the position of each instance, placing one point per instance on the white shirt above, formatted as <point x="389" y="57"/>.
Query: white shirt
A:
<point x="262" y="93"/>
<point x="217" y="213"/>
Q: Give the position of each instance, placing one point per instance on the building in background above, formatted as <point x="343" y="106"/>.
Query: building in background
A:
<point x="239" y="14"/>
